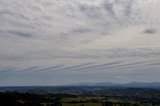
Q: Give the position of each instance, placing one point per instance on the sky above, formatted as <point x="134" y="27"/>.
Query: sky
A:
<point x="56" y="42"/>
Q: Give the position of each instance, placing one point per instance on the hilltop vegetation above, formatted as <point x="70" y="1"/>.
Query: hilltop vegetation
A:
<point x="80" y="96"/>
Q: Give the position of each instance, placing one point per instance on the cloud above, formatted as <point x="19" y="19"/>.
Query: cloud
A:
<point x="119" y="10"/>
<point x="70" y="67"/>
<point x="109" y="8"/>
<point x="81" y="30"/>
<point x="49" y="68"/>
<point x="81" y="37"/>
<point x="149" y="31"/>
<point x="91" y="11"/>
<point x="21" y="34"/>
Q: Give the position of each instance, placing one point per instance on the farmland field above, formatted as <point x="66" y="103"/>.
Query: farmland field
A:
<point x="82" y="104"/>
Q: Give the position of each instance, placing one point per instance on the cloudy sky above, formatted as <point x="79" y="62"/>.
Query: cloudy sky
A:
<point x="54" y="42"/>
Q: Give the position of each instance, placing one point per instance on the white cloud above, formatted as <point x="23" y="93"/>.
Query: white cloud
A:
<point x="70" y="34"/>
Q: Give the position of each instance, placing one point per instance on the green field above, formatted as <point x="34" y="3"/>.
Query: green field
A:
<point x="81" y="101"/>
<point x="82" y="104"/>
<point x="81" y="98"/>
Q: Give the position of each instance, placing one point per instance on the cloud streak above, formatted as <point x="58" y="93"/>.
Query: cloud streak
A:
<point x="79" y="37"/>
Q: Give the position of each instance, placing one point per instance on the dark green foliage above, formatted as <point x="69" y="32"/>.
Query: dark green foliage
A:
<point x="26" y="99"/>
<point x="84" y="96"/>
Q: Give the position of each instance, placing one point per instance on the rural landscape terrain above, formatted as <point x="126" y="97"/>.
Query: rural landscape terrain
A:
<point x="86" y="94"/>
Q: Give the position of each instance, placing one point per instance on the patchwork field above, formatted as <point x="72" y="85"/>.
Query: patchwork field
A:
<point x="81" y="104"/>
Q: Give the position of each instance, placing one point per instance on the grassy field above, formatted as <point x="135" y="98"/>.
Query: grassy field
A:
<point x="82" y="104"/>
<point x="82" y="99"/>
<point x="68" y="101"/>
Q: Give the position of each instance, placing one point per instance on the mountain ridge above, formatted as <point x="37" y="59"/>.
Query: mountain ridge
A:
<point x="111" y="84"/>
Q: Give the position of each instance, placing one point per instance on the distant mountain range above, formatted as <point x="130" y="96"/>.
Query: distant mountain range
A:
<point x="80" y="87"/>
<point x="128" y="85"/>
